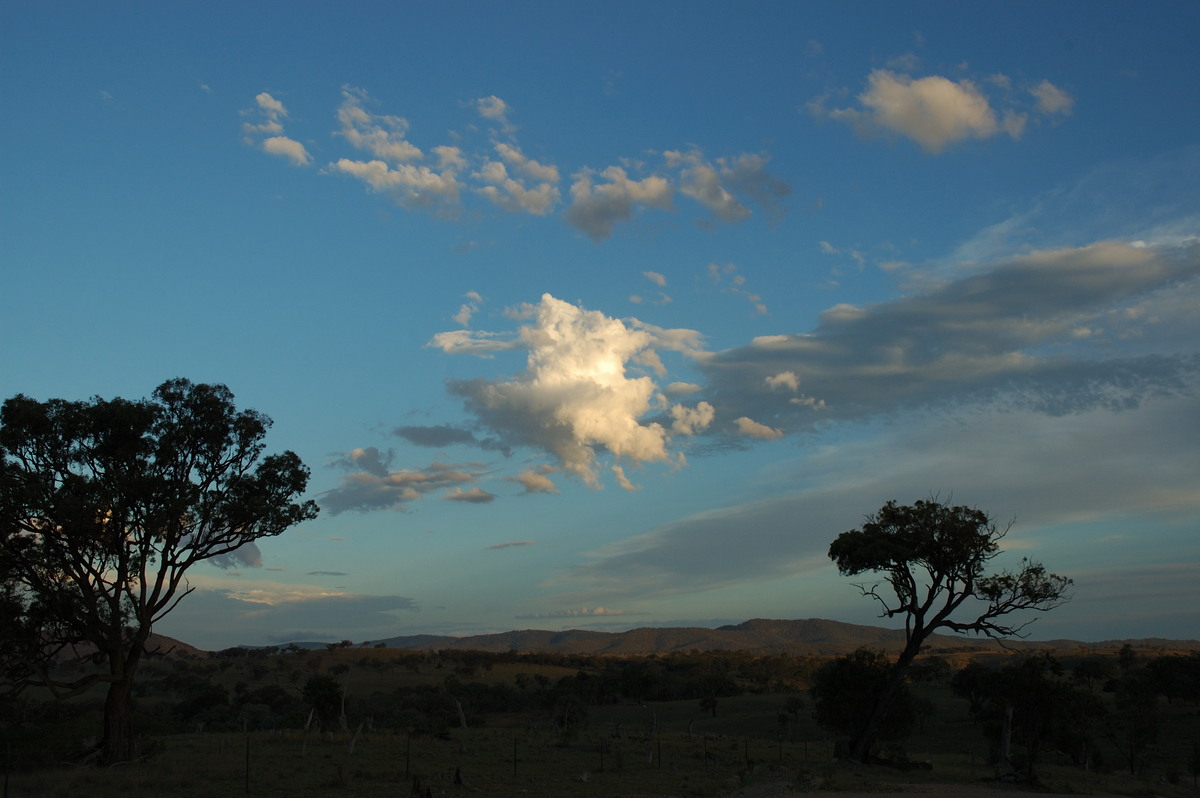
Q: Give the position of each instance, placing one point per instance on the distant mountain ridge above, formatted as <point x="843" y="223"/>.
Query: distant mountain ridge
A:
<point x="811" y="636"/>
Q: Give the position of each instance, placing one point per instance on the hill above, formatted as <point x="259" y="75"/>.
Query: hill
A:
<point x="812" y="636"/>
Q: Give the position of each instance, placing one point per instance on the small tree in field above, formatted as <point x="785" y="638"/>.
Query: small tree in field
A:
<point x="934" y="557"/>
<point x="104" y="506"/>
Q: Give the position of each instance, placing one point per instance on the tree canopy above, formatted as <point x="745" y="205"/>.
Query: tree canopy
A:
<point x="104" y="507"/>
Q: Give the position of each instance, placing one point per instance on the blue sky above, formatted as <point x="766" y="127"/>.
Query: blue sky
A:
<point x="612" y="315"/>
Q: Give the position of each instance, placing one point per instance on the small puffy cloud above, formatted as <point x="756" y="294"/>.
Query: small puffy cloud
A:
<point x="473" y="496"/>
<point x="270" y="111"/>
<point x="247" y="555"/>
<point x="751" y="428"/>
<point x="395" y="166"/>
<point x="596" y="207"/>
<point x="436" y="437"/>
<point x="368" y="459"/>
<point x="284" y="147"/>
<point x="691" y="420"/>
<point x="410" y="186"/>
<point x="622" y="479"/>
<point x="512" y="191"/>
<point x="478" y="343"/>
<point x="383" y="136"/>
<point x="933" y="111"/>
<point x="468" y="308"/>
<point x="365" y="490"/>
<point x="536" y="481"/>
<point x="656" y="278"/>
<point x="1051" y="100"/>
<point x="784" y="379"/>
<point x="713" y="183"/>
<point x="494" y="109"/>
<point x="576" y="396"/>
<point x="682" y="389"/>
<point x="269" y="105"/>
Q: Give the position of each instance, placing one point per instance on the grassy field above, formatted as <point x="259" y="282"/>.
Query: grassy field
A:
<point x="626" y="748"/>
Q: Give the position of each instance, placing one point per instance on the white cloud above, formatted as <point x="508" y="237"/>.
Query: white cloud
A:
<point x="692" y="420"/>
<point x="411" y="186"/>
<point x="597" y="207"/>
<point x="468" y="308"/>
<point x="269" y="105"/>
<point x="784" y="379"/>
<point x="753" y="429"/>
<point x="291" y="149"/>
<point x="512" y="193"/>
<point x="622" y="479"/>
<point x="1051" y="99"/>
<point x="656" y="278"/>
<point x="536" y="481"/>
<point x="933" y="111"/>
<point x="382" y="136"/>
<point x="576" y="397"/>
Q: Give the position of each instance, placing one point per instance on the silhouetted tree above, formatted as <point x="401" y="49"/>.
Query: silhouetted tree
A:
<point x="846" y="690"/>
<point x="106" y="504"/>
<point x="933" y="557"/>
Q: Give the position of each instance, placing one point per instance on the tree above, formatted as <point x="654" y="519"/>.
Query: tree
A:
<point x="104" y="507"/>
<point x="934" y="558"/>
<point x="846" y="689"/>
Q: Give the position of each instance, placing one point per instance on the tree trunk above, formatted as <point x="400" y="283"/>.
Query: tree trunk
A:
<point x="863" y="742"/>
<point x="117" y="745"/>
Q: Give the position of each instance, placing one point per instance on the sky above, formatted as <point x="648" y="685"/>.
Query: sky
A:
<point x="608" y="315"/>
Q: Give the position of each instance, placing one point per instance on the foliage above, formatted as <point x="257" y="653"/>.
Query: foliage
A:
<point x="104" y="507"/>
<point x="324" y="695"/>
<point x="846" y="689"/>
<point x="934" y="557"/>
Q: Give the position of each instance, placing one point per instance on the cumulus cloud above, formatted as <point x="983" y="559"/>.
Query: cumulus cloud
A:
<point x="597" y="207"/>
<point x="933" y="111"/>
<point x="691" y="420"/>
<point x="576" y="396"/>
<point x="368" y="490"/>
